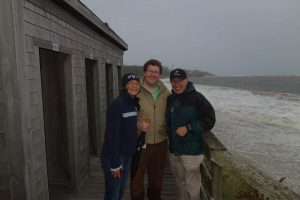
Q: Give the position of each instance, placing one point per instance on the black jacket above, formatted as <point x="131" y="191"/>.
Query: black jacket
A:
<point x="193" y="110"/>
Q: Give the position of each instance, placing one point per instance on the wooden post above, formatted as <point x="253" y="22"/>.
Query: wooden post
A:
<point x="212" y="175"/>
<point x="216" y="181"/>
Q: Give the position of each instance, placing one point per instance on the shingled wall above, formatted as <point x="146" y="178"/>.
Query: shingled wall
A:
<point x="54" y="26"/>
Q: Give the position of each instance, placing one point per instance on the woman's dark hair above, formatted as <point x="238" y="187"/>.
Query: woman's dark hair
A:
<point x="153" y="62"/>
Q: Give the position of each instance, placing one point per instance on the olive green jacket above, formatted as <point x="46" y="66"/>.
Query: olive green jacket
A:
<point x="155" y="111"/>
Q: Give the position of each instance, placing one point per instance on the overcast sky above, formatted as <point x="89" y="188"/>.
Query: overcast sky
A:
<point x="224" y="37"/>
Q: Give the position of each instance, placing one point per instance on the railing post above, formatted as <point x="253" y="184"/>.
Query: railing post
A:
<point x="213" y="176"/>
<point x="216" y="181"/>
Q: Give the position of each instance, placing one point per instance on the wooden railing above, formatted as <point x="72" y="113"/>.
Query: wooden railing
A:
<point x="219" y="160"/>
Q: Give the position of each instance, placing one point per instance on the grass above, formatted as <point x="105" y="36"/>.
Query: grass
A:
<point x="234" y="188"/>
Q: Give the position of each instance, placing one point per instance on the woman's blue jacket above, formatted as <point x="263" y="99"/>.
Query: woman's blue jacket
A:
<point x="121" y="129"/>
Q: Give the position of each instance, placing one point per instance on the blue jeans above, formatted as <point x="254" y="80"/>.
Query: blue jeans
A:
<point x="114" y="187"/>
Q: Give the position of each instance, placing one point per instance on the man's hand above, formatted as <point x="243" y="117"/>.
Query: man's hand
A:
<point x="181" y="131"/>
<point x="144" y="126"/>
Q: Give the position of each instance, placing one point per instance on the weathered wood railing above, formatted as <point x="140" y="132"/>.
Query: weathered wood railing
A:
<point x="218" y="160"/>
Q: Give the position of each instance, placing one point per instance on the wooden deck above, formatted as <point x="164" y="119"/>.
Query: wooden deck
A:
<point x="93" y="188"/>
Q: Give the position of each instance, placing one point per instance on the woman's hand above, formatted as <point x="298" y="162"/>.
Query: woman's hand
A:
<point x="118" y="173"/>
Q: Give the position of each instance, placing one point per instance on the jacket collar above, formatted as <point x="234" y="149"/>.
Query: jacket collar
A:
<point x="189" y="88"/>
<point x="126" y="96"/>
<point x="161" y="88"/>
<point x="129" y="99"/>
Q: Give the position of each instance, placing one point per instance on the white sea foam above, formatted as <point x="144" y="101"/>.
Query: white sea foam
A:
<point x="276" y="109"/>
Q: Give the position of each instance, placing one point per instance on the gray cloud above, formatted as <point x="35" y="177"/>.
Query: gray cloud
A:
<point x="232" y="37"/>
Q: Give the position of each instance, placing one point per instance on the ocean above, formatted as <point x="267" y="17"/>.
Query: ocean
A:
<point x="259" y="118"/>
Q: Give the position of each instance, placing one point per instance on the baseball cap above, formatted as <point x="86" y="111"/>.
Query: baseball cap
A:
<point x="129" y="77"/>
<point x="178" y="74"/>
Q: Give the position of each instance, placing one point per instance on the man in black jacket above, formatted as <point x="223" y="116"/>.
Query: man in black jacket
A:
<point x="189" y="115"/>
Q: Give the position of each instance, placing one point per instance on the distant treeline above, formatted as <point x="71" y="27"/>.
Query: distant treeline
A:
<point x="166" y="71"/>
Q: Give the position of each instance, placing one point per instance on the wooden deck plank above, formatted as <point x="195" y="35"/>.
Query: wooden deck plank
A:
<point x="93" y="188"/>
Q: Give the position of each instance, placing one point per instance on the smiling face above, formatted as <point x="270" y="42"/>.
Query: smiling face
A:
<point x="179" y="85"/>
<point x="152" y="75"/>
<point x="133" y="87"/>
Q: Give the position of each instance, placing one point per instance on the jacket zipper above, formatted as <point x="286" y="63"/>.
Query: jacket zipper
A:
<point x="154" y="127"/>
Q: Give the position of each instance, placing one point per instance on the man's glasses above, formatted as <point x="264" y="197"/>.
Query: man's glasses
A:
<point x="152" y="72"/>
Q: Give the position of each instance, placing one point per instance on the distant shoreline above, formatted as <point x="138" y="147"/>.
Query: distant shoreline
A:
<point x="278" y="84"/>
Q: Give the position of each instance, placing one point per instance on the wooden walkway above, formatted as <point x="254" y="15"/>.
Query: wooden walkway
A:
<point x="93" y="188"/>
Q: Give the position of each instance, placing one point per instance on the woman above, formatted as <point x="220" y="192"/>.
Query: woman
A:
<point x="120" y="138"/>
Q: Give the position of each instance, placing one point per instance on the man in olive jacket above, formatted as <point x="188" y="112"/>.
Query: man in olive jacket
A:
<point x="151" y="120"/>
<point x="189" y="114"/>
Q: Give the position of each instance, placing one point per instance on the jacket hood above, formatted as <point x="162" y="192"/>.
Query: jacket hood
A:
<point x="124" y="94"/>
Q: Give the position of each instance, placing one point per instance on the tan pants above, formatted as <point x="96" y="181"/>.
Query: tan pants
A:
<point x="186" y="169"/>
